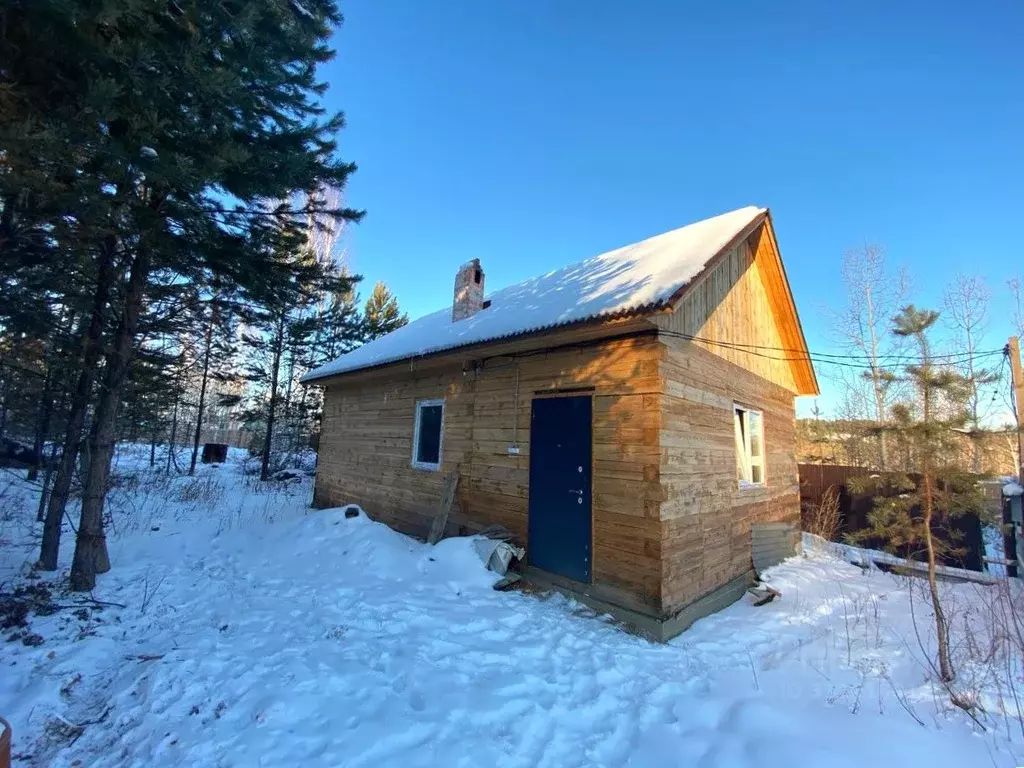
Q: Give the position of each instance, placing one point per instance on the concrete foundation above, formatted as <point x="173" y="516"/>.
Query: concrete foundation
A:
<point x="658" y="629"/>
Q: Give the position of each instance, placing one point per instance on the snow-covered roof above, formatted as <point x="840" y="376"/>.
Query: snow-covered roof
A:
<point x="628" y="280"/>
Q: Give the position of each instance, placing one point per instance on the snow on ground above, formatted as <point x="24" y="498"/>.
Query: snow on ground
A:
<point x="258" y="632"/>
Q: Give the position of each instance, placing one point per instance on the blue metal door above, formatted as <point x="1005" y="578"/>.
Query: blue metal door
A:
<point x="560" y="519"/>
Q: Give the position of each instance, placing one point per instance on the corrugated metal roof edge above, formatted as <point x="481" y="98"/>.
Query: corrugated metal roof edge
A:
<point x="642" y="310"/>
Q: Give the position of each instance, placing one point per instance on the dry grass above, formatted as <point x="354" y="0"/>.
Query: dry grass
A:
<point x="823" y="519"/>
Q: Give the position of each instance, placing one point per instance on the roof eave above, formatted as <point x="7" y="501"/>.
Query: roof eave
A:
<point x="636" y="313"/>
<point x="814" y="389"/>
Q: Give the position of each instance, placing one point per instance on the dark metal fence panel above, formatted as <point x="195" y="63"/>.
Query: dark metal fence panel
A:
<point x="962" y="532"/>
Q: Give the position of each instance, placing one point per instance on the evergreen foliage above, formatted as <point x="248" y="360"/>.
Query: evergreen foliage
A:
<point x="909" y="511"/>
<point x="281" y="331"/>
<point x="148" y="144"/>
<point x="381" y="313"/>
<point x="341" y="327"/>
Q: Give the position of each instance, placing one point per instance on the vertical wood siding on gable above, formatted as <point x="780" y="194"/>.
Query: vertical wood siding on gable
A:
<point x="730" y="304"/>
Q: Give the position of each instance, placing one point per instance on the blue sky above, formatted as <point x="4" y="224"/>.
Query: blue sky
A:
<point x="534" y="134"/>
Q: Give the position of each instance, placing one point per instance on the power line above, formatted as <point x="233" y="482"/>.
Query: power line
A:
<point x="960" y="355"/>
<point x="997" y="385"/>
<point x="822" y="358"/>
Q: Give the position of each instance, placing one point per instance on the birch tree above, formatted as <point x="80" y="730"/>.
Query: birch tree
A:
<point x="966" y="314"/>
<point x="874" y="294"/>
<point x="1017" y="299"/>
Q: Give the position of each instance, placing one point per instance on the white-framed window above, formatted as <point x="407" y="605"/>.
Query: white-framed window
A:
<point x="749" y="426"/>
<point x="427" y="435"/>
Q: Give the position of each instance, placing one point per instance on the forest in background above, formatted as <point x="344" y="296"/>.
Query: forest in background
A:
<point x="171" y="201"/>
<point x="867" y="370"/>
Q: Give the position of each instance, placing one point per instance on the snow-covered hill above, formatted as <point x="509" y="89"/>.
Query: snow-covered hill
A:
<point x="258" y="632"/>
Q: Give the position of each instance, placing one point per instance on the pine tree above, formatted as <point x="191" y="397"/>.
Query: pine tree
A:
<point x="381" y="314"/>
<point x="342" y="326"/>
<point x="909" y="513"/>
<point x="282" y="323"/>
<point x="216" y="355"/>
<point x="148" y="137"/>
<point x="145" y="414"/>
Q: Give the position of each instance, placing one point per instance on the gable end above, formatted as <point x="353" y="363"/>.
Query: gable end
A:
<point x="741" y="308"/>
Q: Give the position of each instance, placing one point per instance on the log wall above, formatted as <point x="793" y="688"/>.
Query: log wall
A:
<point x="366" y="449"/>
<point x="706" y="516"/>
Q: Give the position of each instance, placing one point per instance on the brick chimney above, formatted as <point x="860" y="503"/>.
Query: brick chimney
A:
<point x="469" y="291"/>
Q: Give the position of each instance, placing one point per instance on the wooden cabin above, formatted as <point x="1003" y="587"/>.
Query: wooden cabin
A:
<point x="629" y="418"/>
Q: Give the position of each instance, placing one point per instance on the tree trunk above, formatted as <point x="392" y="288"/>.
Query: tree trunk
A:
<point x="288" y="384"/>
<point x="77" y="409"/>
<point x="883" y="445"/>
<point x="876" y="383"/>
<point x="47" y="477"/>
<point x="289" y="409"/>
<point x="272" y="407"/>
<point x="3" y="412"/>
<point x="91" y="544"/>
<point x="202" y="390"/>
<point x="172" y="442"/>
<point x="974" y="402"/>
<point x="42" y="427"/>
<point x="941" y="630"/>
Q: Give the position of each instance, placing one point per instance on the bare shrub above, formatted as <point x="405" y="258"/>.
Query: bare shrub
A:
<point x="204" y="489"/>
<point x="986" y="643"/>
<point x="823" y="519"/>
<point x="993" y="654"/>
<point x="135" y="499"/>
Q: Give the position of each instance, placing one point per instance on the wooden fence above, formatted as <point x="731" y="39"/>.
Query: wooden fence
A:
<point x="962" y="533"/>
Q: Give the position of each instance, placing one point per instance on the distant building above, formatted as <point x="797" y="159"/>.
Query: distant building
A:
<point x="223" y="422"/>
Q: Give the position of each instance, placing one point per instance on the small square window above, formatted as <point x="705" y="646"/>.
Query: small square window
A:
<point x="749" y="446"/>
<point x="426" y="440"/>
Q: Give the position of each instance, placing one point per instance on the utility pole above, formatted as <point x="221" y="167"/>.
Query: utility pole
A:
<point x="1013" y="350"/>
<point x="1009" y="526"/>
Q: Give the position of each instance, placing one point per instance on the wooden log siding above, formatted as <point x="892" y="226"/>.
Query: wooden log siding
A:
<point x="366" y="450"/>
<point x="706" y="517"/>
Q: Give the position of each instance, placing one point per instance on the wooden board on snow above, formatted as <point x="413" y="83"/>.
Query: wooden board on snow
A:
<point x="451" y="484"/>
